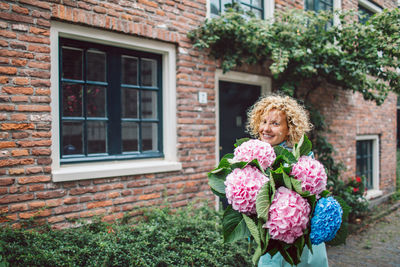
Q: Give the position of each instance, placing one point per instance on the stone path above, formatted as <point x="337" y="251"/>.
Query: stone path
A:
<point x="378" y="245"/>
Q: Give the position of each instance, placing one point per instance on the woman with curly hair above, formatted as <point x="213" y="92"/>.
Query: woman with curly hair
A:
<point x="280" y="120"/>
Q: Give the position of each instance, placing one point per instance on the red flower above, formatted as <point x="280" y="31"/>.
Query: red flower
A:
<point x="358" y="179"/>
<point x="355" y="189"/>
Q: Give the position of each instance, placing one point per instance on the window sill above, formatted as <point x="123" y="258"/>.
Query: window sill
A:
<point x="373" y="193"/>
<point x="74" y="172"/>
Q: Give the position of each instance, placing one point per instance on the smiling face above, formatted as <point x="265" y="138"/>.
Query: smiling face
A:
<point x="273" y="127"/>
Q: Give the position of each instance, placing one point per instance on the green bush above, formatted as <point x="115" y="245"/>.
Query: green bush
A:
<point x="188" y="237"/>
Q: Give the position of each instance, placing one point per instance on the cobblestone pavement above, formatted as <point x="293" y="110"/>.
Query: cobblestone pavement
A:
<point x="378" y="245"/>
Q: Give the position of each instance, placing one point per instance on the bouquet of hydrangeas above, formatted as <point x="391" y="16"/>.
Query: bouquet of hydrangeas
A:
<point x="277" y="197"/>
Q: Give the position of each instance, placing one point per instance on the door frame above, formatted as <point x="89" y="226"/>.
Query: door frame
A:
<point x="237" y="77"/>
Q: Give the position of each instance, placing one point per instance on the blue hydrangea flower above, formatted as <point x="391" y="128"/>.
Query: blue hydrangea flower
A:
<point x="326" y="220"/>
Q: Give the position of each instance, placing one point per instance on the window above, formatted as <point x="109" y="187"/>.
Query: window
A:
<point x="110" y="102"/>
<point x="367" y="9"/>
<point x="367" y="163"/>
<point x="255" y="6"/>
<point x="113" y="125"/>
<point x="364" y="14"/>
<point x="318" y="5"/>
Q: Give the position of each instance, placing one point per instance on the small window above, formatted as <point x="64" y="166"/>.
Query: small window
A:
<point x="318" y="5"/>
<point x="365" y="159"/>
<point x="110" y="103"/>
<point x="255" y="6"/>
<point x="364" y="14"/>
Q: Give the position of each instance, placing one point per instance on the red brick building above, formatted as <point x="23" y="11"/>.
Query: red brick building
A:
<point x="106" y="107"/>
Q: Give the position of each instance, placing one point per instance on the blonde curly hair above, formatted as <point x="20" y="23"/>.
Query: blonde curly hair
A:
<point x="296" y="116"/>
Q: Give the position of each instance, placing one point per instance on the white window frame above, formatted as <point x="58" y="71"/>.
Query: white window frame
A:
<point x="92" y="170"/>
<point x="374" y="192"/>
<point x="237" y="77"/>
<point x="370" y="6"/>
<point x="269" y="6"/>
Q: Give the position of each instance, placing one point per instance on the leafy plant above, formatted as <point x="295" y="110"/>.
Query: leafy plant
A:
<point x="239" y="225"/>
<point x="188" y="237"/>
<point x="300" y="48"/>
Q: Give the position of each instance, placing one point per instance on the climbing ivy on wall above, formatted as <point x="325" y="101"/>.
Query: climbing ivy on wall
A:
<point x="305" y="50"/>
<point x="301" y="47"/>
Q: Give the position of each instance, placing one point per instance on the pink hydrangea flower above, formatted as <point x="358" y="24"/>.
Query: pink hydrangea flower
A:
<point x="242" y="186"/>
<point x="311" y="173"/>
<point x="255" y="149"/>
<point x="288" y="215"/>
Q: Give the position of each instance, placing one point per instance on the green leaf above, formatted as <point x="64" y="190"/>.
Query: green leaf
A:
<point x="341" y="235"/>
<point x="263" y="201"/>
<point x="264" y="235"/>
<point x="325" y="193"/>
<point x="302" y="148"/>
<point x="305" y="147"/>
<point x="296" y="185"/>
<point x="241" y="141"/>
<point x="299" y="244"/>
<point x="345" y="207"/>
<point x="251" y="225"/>
<point x="277" y="177"/>
<point x="234" y="226"/>
<point x="224" y="162"/>
<point x="216" y="184"/>
<point x="285" y="254"/>
<point x="312" y="199"/>
<point x="240" y="165"/>
<point x="286" y="154"/>
<point x="255" y="162"/>
<point x="256" y="256"/>
<point x="308" y="242"/>
<point x="287" y="181"/>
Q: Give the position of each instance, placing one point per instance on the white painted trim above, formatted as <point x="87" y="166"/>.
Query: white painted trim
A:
<point x="208" y="8"/>
<point x="370" y="6"/>
<point x="337" y="6"/>
<point x="238" y="77"/>
<point x="127" y="167"/>
<point x="269" y="9"/>
<point x="374" y="192"/>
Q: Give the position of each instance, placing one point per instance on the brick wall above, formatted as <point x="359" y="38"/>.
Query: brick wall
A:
<point x="348" y="115"/>
<point x="26" y="185"/>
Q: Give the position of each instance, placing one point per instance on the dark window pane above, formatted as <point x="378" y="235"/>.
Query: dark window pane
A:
<point x="72" y="59"/>
<point x="130" y="105"/>
<point x="130" y="137"/>
<point x="246" y="8"/>
<point x="96" y="101"/>
<point x="149" y="136"/>
<point x="72" y="138"/>
<point x="149" y="104"/>
<point x="214" y="7"/>
<point x="364" y="163"/>
<point x="72" y="100"/>
<point x="257" y="3"/>
<point x="96" y="137"/>
<point x="257" y="13"/>
<point x="129" y="70"/>
<point x="149" y="72"/>
<point x="96" y="66"/>
<point x="224" y="3"/>
<point x="310" y="4"/>
<point x="364" y="14"/>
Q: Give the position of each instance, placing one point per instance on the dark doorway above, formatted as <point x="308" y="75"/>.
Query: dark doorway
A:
<point x="234" y="101"/>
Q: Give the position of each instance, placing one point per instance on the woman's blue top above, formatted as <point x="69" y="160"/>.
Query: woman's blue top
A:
<point x="318" y="258"/>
